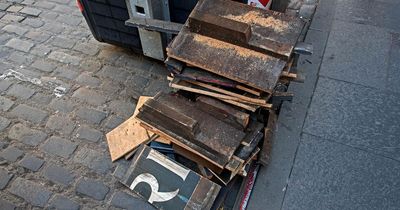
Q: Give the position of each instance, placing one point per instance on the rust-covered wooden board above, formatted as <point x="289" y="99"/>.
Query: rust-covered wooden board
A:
<point x="237" y="63"/>
<point x="214" y="139"/>
<point x="271" y="31"/>
<point x="167" y="184"/>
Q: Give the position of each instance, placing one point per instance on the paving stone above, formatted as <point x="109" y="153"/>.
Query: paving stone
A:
<point x="38" y="36"/>
<point x="4" y="85"/>
<point x="19" y="44"/>
<point x="41" y="98"/>
<point x="31" y="162"/>
<point x="5" y="205"/>
<point x="122" y="108"/>
<point x="121" y="168"/>
<point x="21" y="58"/>
<point x="31" y="192"/>
<point x="33" y="22"/>
<point x="91" y="115"/>
<point x="66" y="72"/>
<point x="4" y="6"/>
<point x="5" y="104"/>
<point x="60" y="202"/>
<point x="5" y="37"/>
<point x="28" y="2"/>
<point x="90" y="65"/>
<point x="394" y="64"/>
<point x="58" y="174"/>
<point x="45" y="5"/>
<point x="26" y="135"/>
<point x="87" y="79"/>
<point x="61" y="124"/>
<point x="89" y="134"/>
<point x="20" y="91"/>
<point x="44" y="65"/>
<point x="65" y="58"/>
<point x="69" y="20"/>
<point x="51" y="26"/>
<point x="59" y="146"/>
<point x="40" y="50"/>
<point x="92" y="188"/>
<point x="31" y="11"/>
<point x="14" y="8"/>
<point x="88" y="49"/>
<point x="11" y="153"/>
<point x="111" y="87"/>
<point x="113" y="121"/>
<point x="89" y="96"/>
<point x="15" y="29"/>
<point x="114" y="73"/>
<point x="355" y="115"/>
<point x="63" y="42"/>
<point x="62" y="105"/>
<point x="123" y="200"/>
<point x="339" y="62"/>
<point x="29" y="113"/>
<point x="12" y="18"/>
<point x="138" y="82"/>
<point x="4" y="123"/>
<point x="93" y="159"/>
<point x="5" y="177"/>
<point x="335" y="176"/>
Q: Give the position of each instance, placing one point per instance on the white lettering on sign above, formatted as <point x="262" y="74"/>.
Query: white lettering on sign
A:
<point x="153" y="182"/>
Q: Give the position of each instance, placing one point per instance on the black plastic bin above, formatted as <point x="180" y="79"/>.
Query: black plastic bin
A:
<point x="106" y="20"/>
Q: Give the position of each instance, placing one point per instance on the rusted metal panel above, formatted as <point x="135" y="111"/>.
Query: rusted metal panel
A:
<point x="167" y="184"/>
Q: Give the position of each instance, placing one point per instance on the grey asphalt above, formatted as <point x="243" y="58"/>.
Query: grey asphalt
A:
<point x="337" y="145"/>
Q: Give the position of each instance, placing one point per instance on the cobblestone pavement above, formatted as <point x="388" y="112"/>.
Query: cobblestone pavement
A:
<point x="61" y="91"/>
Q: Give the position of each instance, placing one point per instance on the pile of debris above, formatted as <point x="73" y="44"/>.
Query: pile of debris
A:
<point x="231" y="64"/>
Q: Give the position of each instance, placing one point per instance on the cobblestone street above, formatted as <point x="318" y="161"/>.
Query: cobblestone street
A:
<point x="61" y="91"/>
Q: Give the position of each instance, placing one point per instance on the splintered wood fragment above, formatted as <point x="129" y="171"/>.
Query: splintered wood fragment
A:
<point x="269" y="133"/>
<point x="254" y="92"/>
<point x="181" y="187"/>
<point x="223" y="111"/>
<point x="289" y="75"/>
<point x="127" y="136"/>
<point x="219" y="27"/>
<point x="251" y="108"/>
<point x="182" y="85"/>
<point x="220" y="90"/>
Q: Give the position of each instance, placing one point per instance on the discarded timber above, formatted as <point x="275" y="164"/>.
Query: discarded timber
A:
<point x="127" y="136"/>
<point x="224" y="112"/>
<point x="269" y="133"/>
<point x="215" y="140"/>
<point x="167" y="184"/>
<point x="270" y="32"/>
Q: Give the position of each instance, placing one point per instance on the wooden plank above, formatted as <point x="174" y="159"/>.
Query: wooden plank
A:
<point x="177" y="65"/>
<point x="272" y="32"/>
<point x="218" y="27"/>
<point x="216" y="140"/>
<point x="240" y="64"/>
<point x="127" y="136"/>
<point x="229" y="93"/>
<point x="223" y="111"/>
<point x="167" y="184"/>
<point x="182" y="85"/>
<point x="269" y="133"/>
<point x="251" y="108"/>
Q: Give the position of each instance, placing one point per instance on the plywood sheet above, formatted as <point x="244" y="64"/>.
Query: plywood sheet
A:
<point x="129" y="135"/>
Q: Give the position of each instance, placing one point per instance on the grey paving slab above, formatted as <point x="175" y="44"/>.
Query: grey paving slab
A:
<point x="357" y="53"/>
<point x="355" y="115"/>
<point x="269" y="189"/>
<point x="394" y="64"/>
<point x="327" y="175"/>
<point x="382" y="13"/>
